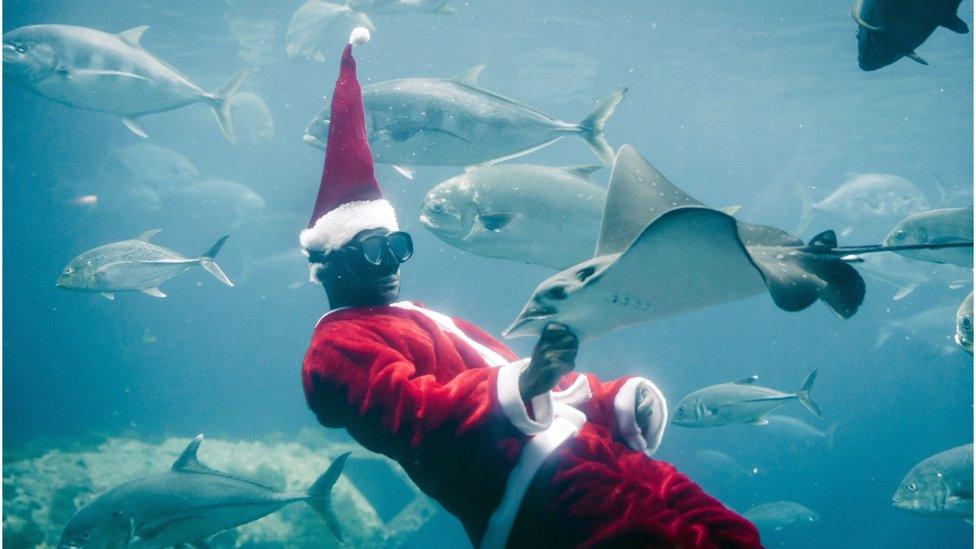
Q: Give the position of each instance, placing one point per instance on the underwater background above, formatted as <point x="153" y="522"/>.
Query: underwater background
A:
<point x="737" y="102"/>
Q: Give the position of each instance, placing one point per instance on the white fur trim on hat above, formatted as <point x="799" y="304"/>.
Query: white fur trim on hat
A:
<point x="338" y="227"/>
<point x="359" y="36"/>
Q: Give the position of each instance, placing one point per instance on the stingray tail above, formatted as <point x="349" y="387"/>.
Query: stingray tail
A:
<point x="804" y="395"/>
<point x="591" y="128"/>
<point x="207" y="261"/>
<point x="220" y="103"/>
<point x="320" y="495"/>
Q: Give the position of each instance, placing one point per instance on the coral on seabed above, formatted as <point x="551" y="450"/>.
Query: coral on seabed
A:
<point x="40" y="493"/>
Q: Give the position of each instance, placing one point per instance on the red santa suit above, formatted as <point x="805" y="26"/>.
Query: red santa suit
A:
<point x="441" y="397"/>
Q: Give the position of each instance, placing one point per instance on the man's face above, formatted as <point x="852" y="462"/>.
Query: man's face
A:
<point x="357" y="281"/>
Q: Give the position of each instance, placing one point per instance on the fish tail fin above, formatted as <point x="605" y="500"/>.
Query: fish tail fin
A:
<point x="207" y="261"/>
<point x="591" y="128"/>
<point x="806" y="203"/>
<point x="830" y="435"/>
<point x="804" y="395"/>
<point x="320" y="495"/>
<point x="220" y="103"/>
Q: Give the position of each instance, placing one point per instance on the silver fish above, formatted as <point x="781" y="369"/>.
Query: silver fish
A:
<point x="534" y="214"/>
<point x="153" y="165"/>
<point x="906" y="275"/>
<point x="738" y="402"/>
<point x="941" y="485"/>
<point x="186" y="504"/>
<point x="964" y="324"/>
<point x="252" y="119"/>
<point x="456" y="122"/>
<point x="867" y="199"/>
<point x="133" y="266"/>
<point x="216" y="193"/>
<point x="941" y="226"/>
<point x="931" y="326"/>
<point x="888" y="30"/>
<point x="97" y="71"/>
<point x="781" y="515"/>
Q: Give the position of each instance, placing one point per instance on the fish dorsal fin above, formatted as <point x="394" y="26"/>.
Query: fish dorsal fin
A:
<point x="188" y="461"/>
<point x="637" y="195"/>
<point x="747" y="381"/>
<point x="470" y="76"/>
<point x="582" y="170"/>
<point x="147" y="235"/>
<point x="133" y="35"/>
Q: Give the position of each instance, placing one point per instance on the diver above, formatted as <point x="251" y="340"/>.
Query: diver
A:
<point x="523" y="452"/>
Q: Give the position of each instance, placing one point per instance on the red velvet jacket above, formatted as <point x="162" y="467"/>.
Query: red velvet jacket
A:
<point x="404" y="387"/>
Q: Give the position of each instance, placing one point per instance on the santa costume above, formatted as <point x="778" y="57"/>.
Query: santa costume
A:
<point x="441" y="397"/>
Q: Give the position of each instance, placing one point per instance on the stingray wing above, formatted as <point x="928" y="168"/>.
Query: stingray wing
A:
<point x="689" y="258"/>
<point x="637" y="195"/>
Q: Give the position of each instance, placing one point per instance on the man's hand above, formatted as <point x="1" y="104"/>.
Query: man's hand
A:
<point x="554" y="356"/>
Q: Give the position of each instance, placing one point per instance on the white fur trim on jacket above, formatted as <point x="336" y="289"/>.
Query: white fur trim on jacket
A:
<point x="625" y="406"/>
<point x="338" y="227"/>
<point x="515" y="410"/>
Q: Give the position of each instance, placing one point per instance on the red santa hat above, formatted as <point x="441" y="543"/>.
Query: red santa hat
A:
<point x="349" y="199"/>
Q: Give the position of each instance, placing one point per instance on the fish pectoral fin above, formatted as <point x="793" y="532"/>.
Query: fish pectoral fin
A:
<point x="404" y="171"/>
<point x="134" y="127"/>
<point x="109" y="296"/>
<point x="155" y="292"/>
<point x="496" y="221"/>
<point x="133" y="35"/>
<point x="153" y="528"/>
<point x="760" y="421"/>
<point x="916" y="58"/>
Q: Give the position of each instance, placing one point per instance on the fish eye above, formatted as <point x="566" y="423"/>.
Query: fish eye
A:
<point x="438" y="208"/>
<point x="69" y="270"/>
<point x="901" y="235"/>
<point x="681" y="411"/>
<point x="912" y="487"/>
<point x="967" y="322"/>
<point x="21" y="48"/>
<point x="556" y="292"/>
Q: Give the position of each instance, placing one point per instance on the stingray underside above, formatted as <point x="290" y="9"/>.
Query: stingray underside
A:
<point x="689" y="258"/>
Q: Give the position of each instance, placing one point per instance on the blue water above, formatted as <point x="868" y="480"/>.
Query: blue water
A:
<point x="737" y="102"/>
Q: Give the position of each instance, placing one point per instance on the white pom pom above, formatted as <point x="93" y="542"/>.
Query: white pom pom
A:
<point x="359" y="36"/>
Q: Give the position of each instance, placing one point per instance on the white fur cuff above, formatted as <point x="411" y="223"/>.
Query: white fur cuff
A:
<point x="515" y="410"/>
<point x="625" y="406"/>
<point x="338" y="227"/>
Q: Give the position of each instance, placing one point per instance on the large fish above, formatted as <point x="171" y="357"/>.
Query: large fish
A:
<point x="941" y="485"/>
<point x="738" y="402"/>
<point x="907" y="275"/>
<point x="964" y="324"/>
<point x="185" y="505"/>
<point x="867" y="199"/>
<point x="97" y="71"/>
<point x="781" y="515"/>
<point x="456" y="122"/>
<point x="215" y="194"/>
<point x="660" y="252"/>
<point x="888" y="30"/>
<point x="534" y="214"/>
<point x="941" y="226"/>
<point x="151" y="164"/>
<point x="796" y="430"/>
<point x="133" y="266"/>
<point x="931" y="326"/>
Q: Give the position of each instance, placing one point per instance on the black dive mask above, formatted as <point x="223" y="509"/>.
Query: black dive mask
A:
<point x="367" y="255"/>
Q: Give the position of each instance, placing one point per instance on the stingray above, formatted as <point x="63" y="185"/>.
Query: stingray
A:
<point x="660" y="253"/>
